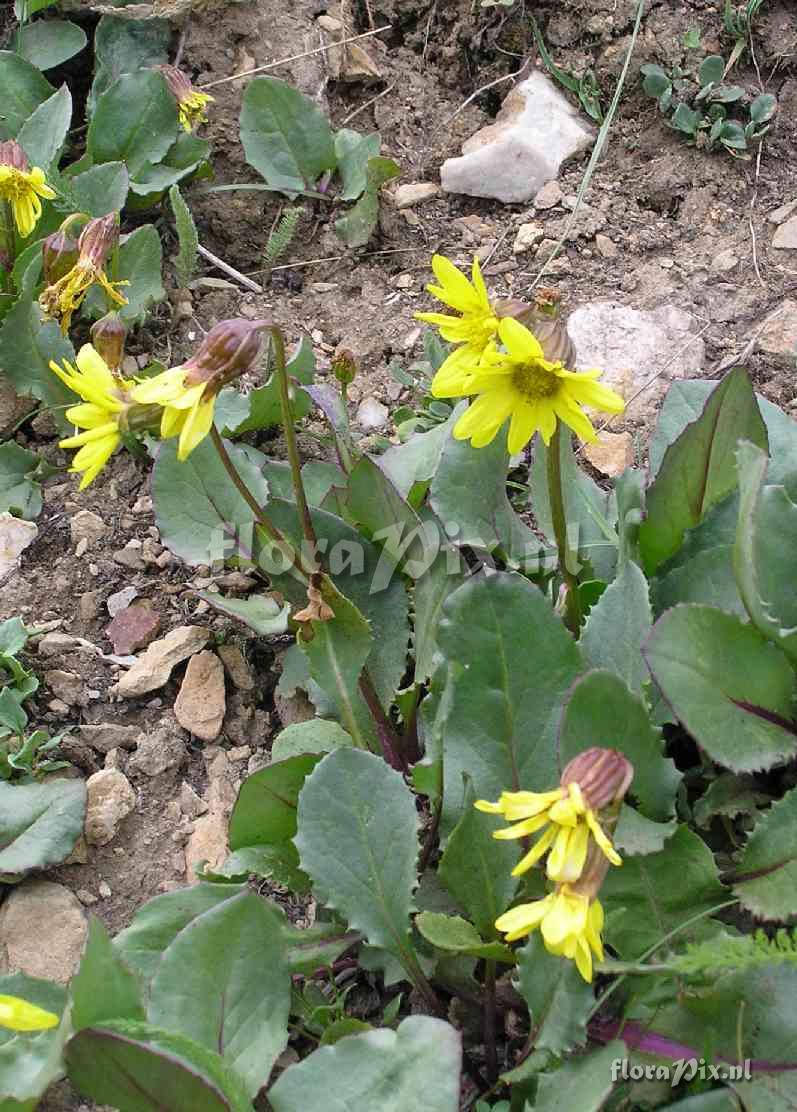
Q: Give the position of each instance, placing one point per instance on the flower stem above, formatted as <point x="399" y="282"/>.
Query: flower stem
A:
<point x="489" y="1022"/>
<point x="290" y="442"/>
<point x="9" y="238"/>
<point x="559" y="520"/>
<point x="271" y="531"/>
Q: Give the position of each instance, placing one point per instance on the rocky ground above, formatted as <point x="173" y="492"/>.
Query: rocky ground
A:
<point x="679" y="263"/>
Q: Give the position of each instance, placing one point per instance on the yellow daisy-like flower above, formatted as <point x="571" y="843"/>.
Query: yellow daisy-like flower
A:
<point x="570" y="823"/>
<point x="477" y="323"/>
<point x="570" y="924"/>
<point x="520" y="383"/>
<point x="191" y="103"/>
<point x="105" y="400"/>
<point x="22" y="186"/>
<point x="18" y="1015"/>
<point x="65" y="296"/>
<point x="187" y="409"/>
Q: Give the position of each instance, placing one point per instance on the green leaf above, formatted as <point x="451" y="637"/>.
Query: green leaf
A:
<point x="103" y="987"/>
<point x="224" y="982"/>
<point x="558" y="997"/>
<point x="476" y="868"/>
<point x="29" y="1063"/>
<point x="637" y="835"/>
<point x="48" y="43"/>
<point x="357" y="226"/>
<point x="22" y="90"/>
<point x="43" y="134"/>
<point x="27" y="344"/>
<point x="200" y="514"/>
<point x="730" y="688"/>
<point x="429" y="596"/>
<point x="468" y="494"/>
<point x="732" y="135"/>
<point x="651" y="895"/>
<point x="767" y="867"/>
<point x="135" y="121"/>
<point x="763" y="553"/>
<point x="373" y="502"/>
<point x="729" y="795"/>
<point x="100" y="190"/>
<point x="353" y="153"/>
<point x="337" y="651"/>
<point x="583" y="1083"/>
<point x="13" y="636"/>
<point x="453" y="933"/>
<point x="705" y="577"/>
<point x="501" y="725"/>
<point x="279" y="864"/>
<point x="711" y="69"/>
<point x="315" y="736"/>
<point x="140" y="263"/>
<point x="20" y="494"/>
<point x="417" y="460"/>
<point x="686" y="119"/>
<point x="763" y="108"/>
<point x="699" y="468"/>
<point x="616" y="627"/>
<point x="158" y="922"/>
<point x="262" y="614"/>
<point x="265" y="810"/>
<point x="184" y="156"/>
<point x="264" y="403"/>
<point x="126" y="46"/>
<point x="601" y="711"/>
<point x="185" y="261"/>
<point x="138" y="1067"/>
<point x="416" y="1067"/>
<point x="655" y="80"/>
<point x="285" y="135"/>
<point x="358" y="841"/>
<point x="39" y="823"/>
<point x="769" y="1092"/>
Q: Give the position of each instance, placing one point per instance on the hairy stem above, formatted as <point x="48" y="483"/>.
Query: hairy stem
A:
<point x="559" y="519"/>
<point x="290" y="442"/>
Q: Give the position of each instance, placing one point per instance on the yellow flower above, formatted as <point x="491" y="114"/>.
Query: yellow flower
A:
<point x="569" y="820"/>
<point x="19" y="1015"/>
<point x="187" y="409"/>
<point x="22" y="186"/>
<point x="105" y="402"/>
<point x="570" y="923"/>
<point x="477" y="323"/>
<point x="522" y="384"/>
<point x="64" y="297"/>
<point x="190" y="102"/>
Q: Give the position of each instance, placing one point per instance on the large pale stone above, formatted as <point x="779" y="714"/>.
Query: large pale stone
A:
<point x="535" y="131"/>
<point x="779" y="333"/>
<point x="785" y="237"/>
<point x="200" y="706"/>
<point x="636" y="349"/>
<point x="42" y="931"/>
<point x="109" y="799"/>
<point x="15" y="536"/>
<point x="153" y="668"/>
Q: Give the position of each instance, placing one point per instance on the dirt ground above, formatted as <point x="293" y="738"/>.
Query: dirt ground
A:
<point x="690" y="229"/>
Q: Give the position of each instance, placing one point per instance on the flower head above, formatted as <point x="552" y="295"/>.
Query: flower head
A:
<point x="188" y="393"/>
<point x="108" y="335"/>
<point x="19" y="1015"/>
<point x="190" y="102"/>
<point x="477" y="323"/>
<point x="22" y="186"/>
<point x="63" y="297"/>
<point x="102" y="414"/>
<point x="593" y="780"/>
<point x="59" y="255"/>
<point x="569" y="921"/>
<point x="520" y="383"/>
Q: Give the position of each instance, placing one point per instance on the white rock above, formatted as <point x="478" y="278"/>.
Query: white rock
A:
<point x="371" y="414"/>
<point x="785" y="237"/>
<point x="105" y="736"/>
<point x="153" y="668"/>
<point x="15" y="536"/>
<point x="414" y="193"/>
<point x="42" y="931"/>
<point x="109" y="799"/>
<point x="535" y="131"/>
<point x="120" y="600"/>
<point x="783" y="212"/>
<point x="779" y="334"/>
<point x="725" y="261"/>
<point x="201" y="702"/>
<point x="207" y="843"/>
<point x="549" y="196"/>
<point x="631" y="346"/>
<point x="605" y="247"/>
<point x="87" y="526"/>
<point x="527" y="236"/>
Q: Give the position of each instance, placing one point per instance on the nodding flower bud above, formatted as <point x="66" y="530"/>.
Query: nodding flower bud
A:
<point x="11" y="154"/>
<point x="344" y="365"/>
<point x="190" y="101"/>
<point x="230" y="348"/>
<point x="603" y="775"/>
<point x="98" y="239"/>
<point x="108" y="336"/>
<point x="542" y="318"/>
<point x="59" y="255"/>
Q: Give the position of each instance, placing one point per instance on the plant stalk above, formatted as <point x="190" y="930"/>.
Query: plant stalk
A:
<point x="489" y="1022"/>
<point x="559" y="520"/>
<point x="289" y="429"/>
<point x="391" y="749"/>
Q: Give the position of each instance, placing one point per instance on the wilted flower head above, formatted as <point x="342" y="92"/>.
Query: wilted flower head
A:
<point x="188" y="393"/>
<point x="63" y="297"/>
<point x="190" y="102"/>
<point x="59" y="255"/>
<point x="22" y="186"/>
